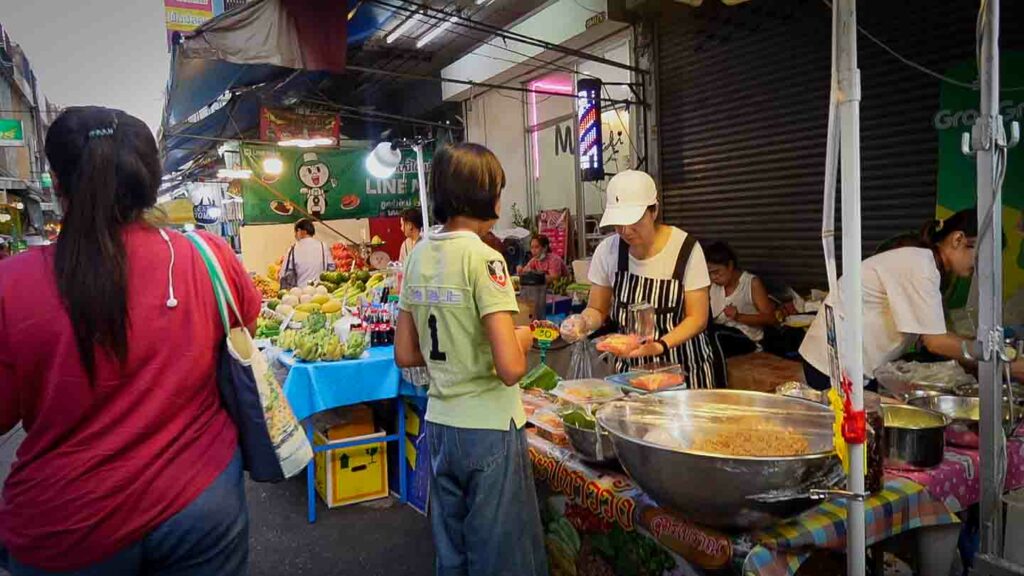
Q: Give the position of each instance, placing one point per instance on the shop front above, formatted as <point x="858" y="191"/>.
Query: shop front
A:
<point x="535" y="128"/>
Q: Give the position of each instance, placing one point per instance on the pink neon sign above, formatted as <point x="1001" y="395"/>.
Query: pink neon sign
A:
<point x="543" y="86"/>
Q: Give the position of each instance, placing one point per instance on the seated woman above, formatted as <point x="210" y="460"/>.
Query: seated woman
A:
<point x="740" y="306"/>
<point x="543" y="260"/>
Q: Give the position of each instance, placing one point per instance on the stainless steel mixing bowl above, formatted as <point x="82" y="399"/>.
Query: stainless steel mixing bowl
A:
<point x="585" y="442"/>
<point x="965" y="414"/>
<point x="654" y="434"/>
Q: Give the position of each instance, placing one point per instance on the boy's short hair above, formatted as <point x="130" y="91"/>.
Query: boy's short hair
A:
<point x="466" y="179"/>
<point x="544" y="241"/>
<point x="413" y="216"/>
<point x="306" y="225"/>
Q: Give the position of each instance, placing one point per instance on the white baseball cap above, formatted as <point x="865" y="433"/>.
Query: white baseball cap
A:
<point x="630" y="192"/>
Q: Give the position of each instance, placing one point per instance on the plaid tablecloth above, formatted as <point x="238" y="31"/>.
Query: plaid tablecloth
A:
<point x="957" y="481"/>
<point x="901" y="506"/>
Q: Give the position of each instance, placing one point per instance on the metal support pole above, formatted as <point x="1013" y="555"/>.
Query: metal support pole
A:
<point x="990" y="297"/>
<point x="421" y="173"/>
<point x="853" y="326"/>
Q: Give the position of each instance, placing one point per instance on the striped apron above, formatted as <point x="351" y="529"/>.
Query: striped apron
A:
<point x="666" y="296"/>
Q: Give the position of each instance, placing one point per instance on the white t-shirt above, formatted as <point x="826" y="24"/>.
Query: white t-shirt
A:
<point x="743" y="299"/>
<point x="902" y="301"/>
<point x="406" y="249"/>
<point x="311" y="258"/>
<point x="661" y="266"/>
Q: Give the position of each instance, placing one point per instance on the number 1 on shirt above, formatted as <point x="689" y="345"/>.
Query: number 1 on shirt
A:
<point x="435" y="352"/>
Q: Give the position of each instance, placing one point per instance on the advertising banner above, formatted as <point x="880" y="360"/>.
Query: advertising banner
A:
<point x="12" y="132"/>
<point x="329" y="184"/>
<point x="277" y="125"/>
<point x="186" y="15"/>
<point x="958" y="111"/>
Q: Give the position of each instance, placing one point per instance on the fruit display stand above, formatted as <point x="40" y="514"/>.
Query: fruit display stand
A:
<point x="313" y="387"/>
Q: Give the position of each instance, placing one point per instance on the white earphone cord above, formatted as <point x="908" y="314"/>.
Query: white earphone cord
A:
<point x="172" y="302"/>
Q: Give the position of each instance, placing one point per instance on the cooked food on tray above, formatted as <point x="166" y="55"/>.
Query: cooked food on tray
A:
<point x="657" y="381"/>
<point x="587" y="391"/>
<point x="619" y="344"/>
<point x="740" y="437"/>
<point x="763" y="440"/>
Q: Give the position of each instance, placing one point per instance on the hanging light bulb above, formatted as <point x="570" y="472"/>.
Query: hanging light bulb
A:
<point x="273" y="166"/>
<point x="383" y="160"/>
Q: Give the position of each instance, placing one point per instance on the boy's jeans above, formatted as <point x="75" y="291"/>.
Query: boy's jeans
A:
<point x="483" y="505"/>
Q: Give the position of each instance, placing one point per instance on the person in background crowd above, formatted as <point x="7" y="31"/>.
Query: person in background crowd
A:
<point x="492" y="240"/>
<point x="649" y="262"/>
<point x="130" y="465"/>
<point x="412" y="227"/>
<point x="902" y="292"/>
<point x="543" y="260"/>
<point x="308" y="257"/>
<point x="740" y="305"/>
<point x="483" y="505"/>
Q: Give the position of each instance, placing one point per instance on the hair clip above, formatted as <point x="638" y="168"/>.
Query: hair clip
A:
<point x="939" y="224"/>
<point x="100" y="132"/>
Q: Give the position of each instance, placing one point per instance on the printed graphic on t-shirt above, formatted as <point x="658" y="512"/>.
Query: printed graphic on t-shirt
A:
<point x="496" y="272"/>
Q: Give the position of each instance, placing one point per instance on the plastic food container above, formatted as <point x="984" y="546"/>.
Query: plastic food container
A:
<point x="587" y="391"/>
<point x="549" y="426"/>
<point x="654" y="380"/>
<point x="535" y="402"/>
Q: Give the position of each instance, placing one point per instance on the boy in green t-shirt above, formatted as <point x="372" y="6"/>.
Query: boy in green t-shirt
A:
<point x="456" y="313"/>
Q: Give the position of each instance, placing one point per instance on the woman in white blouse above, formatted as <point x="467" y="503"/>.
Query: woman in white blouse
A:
<point x="902" y="293"/>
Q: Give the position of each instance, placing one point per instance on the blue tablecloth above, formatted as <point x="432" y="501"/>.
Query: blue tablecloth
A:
<point x="312" y="387"/>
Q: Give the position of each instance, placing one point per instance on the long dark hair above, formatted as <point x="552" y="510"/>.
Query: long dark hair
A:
<point x="107" y="172"/>
<point x="935" y="231"/>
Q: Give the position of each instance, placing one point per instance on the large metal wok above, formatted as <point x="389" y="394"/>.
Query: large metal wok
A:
<point x="654" y="434"/>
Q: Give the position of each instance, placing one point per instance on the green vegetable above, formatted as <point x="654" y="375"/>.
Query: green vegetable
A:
<point x="580" y="419"/>
<point x="540" y="377"/>
<point x="566" y="533"/>
<point x="272" y="304"/>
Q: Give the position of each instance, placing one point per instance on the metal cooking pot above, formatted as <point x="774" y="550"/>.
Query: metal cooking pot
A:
<point x="585" y="443"/>
<point x="964" y="414"/>
<point x="914" y="437"/>
<point x="653" y="437"/>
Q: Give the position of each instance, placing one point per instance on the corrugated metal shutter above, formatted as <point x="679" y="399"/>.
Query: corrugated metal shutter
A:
<point x="743" y="106"/>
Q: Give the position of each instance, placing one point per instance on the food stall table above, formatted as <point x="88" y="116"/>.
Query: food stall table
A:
<point x="313" y="387"/>
<point x="612" y="519"/>
<point x="956" y="481"/>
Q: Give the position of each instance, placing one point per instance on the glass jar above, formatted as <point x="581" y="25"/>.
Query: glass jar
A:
<point x="874" y="473"/>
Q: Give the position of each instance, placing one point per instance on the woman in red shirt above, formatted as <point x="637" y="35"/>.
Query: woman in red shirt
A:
<point x="543" y="260"/>
<point x="108" y="348"/>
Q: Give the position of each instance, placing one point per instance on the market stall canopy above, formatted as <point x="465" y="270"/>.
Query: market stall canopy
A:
<point x="299" y="34"/>
<point x="222" y="72"/>
<point x="260" y="42"/>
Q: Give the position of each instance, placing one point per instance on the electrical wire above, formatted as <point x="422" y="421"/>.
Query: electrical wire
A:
<point x="926" y="70"/>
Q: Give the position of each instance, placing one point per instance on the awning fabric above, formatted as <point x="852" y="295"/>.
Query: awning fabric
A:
<point x="263" y="42"/>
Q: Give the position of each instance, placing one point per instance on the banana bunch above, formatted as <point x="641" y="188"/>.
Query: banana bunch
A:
<point x="358" y="285"/>
<point x="319" y="345"/>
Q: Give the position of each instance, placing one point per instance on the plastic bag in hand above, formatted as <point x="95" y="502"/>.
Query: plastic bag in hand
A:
<point x="581" y="361"/>
<point x="573" y="328"/>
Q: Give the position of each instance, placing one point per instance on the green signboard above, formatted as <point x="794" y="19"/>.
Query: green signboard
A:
<point x="333" y="184"/>
<point x="12" y="133"/>
<point x="958" y="111"/>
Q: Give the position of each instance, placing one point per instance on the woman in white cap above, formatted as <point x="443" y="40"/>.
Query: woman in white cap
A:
<point x="646" y="261"/>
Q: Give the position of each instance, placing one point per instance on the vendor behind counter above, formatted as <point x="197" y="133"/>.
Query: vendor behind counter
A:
<point x="902" y="300"/>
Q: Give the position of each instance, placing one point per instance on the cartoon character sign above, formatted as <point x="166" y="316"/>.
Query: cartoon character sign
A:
<point x="315" y="177"/>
